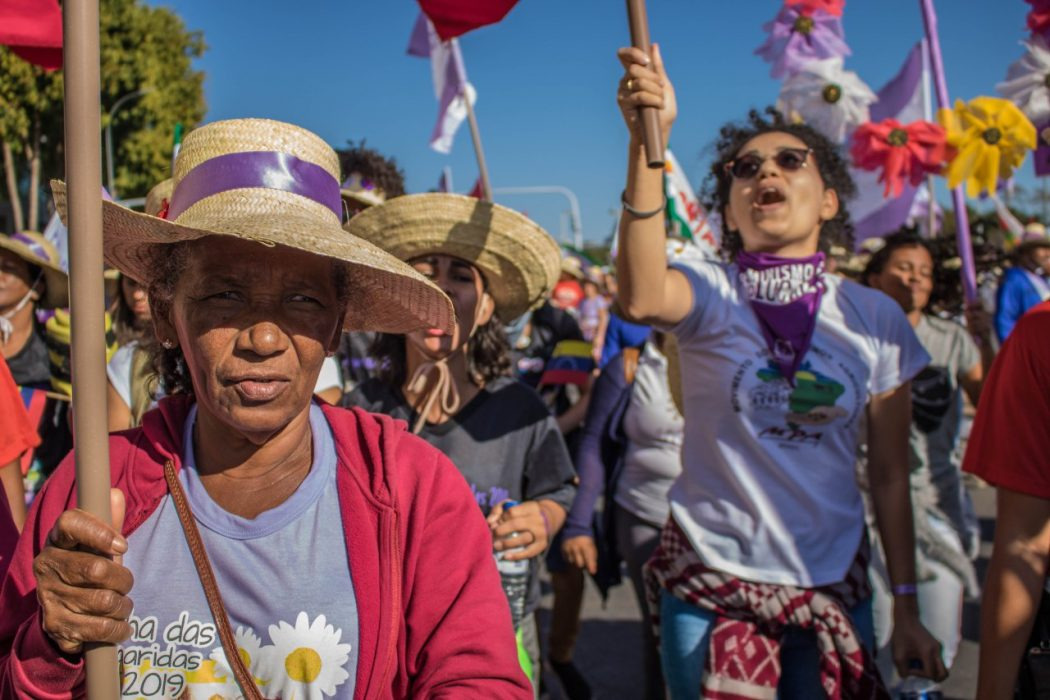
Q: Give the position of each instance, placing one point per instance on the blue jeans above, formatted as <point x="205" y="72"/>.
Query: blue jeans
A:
<point x="685" y="631"/>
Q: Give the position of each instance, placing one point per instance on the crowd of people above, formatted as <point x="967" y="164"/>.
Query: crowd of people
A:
<point x="352" y="429"/>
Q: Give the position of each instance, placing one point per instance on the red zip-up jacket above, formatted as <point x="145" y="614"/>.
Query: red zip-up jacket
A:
<point x="433" y="619"/>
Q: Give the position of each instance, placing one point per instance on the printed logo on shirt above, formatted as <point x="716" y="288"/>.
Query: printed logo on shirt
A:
<point x="488" y="498"/>
<point x="304" y="660"/>
<point x="800" y="415"/>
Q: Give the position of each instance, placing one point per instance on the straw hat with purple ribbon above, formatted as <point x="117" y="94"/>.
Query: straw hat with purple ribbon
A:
<point x="362" y="191"/>
<point x="275" y="184"/>
<point x="37" y="250"/>
<point x="518" y="259"/>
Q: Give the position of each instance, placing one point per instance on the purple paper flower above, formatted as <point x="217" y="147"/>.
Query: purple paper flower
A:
<point x="796" y="38"/>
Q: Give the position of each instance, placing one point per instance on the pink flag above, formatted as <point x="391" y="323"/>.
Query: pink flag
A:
<point x="33" y="30"/>
<point x="454" y="17"/>
<point x="450" y="81"/>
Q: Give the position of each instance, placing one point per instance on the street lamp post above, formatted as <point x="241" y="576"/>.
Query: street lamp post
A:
<point x="574" y="205"/>
<point x="109" y="135"/>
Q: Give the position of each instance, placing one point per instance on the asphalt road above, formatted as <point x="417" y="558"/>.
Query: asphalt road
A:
<point x="609" y="648"/>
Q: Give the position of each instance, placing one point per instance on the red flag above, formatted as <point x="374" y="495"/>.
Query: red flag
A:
<point x="33" y="30"/>
<point x="454" y="17"/>
<point x="476" y="191"/>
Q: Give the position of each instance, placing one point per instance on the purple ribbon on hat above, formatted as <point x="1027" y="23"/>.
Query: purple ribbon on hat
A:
<point x="785" y="295"/>
<point x="34" y="246"/>
<point x="268" y="169"/>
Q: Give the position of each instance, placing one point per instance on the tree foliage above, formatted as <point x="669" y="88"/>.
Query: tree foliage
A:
<point x="142" y="48"/>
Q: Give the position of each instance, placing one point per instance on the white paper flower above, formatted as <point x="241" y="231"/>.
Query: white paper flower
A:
<point x="306" y="662"/>
<point x="251" y="650"/>
<point x="1027" y="82"/>
<point x="830" y="99"/>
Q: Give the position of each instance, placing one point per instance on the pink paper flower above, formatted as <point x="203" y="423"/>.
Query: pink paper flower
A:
<point x="1039" y="18"/>
<point x="902" y="152"/>
<point x="797" y="37"/>
<point x="808" y="7"/>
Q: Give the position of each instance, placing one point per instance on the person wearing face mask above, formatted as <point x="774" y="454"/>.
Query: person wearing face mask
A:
<point x="1026" y="283"/>
<point x="947" y="531"/>
<point x="765" y="552"/>
<point x="31" y="277"/>
<point x="455" y="389"/>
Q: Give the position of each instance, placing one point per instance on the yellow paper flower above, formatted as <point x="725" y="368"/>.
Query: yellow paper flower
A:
<point x="990" y="136"/>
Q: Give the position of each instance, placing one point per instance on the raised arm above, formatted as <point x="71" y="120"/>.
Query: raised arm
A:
<point x="648" y="291"/>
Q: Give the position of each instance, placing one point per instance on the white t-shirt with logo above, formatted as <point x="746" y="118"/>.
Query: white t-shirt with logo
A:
<point x="767" y="491"/>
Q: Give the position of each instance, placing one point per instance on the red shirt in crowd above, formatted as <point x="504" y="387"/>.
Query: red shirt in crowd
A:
<point x="16" y="436"/>
<point x="1010" y="439"/>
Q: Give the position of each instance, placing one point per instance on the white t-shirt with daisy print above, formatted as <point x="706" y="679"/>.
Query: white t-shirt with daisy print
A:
<point x="284" y="578"/>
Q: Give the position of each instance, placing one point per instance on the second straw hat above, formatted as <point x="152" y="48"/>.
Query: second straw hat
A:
<point x="519" y="260"/>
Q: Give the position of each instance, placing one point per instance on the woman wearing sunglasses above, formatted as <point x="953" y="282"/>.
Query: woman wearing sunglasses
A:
<point x="759" y="579"/>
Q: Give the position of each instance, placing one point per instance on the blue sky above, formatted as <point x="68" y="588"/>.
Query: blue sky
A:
<point x="546" y="79"/>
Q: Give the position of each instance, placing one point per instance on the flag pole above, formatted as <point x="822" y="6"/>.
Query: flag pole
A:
<point x="475" y="135"/>
<point x="472" y="120"/>
<point x="88" y="349"/>
<point x="962" y="223"/>
<point x="638" y="22"/>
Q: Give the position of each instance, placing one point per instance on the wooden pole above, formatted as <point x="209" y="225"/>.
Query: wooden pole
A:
<point x="475" y="135"/>
<point x="88" y="346"/>
<point x="475" y="132"/>
<point x="638" y="21"/>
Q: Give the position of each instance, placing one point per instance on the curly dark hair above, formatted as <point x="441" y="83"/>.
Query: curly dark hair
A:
<point x="382" y="171"/>
<point x="170" y="363"/>
<point x="487" y="351"/>
<point x="830" y="163"/>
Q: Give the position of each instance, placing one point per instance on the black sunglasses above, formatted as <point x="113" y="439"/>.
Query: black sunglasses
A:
<point x="747" y="166"/>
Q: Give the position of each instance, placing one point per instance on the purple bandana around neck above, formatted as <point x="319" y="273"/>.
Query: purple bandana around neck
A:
<point x="785" y="296"/>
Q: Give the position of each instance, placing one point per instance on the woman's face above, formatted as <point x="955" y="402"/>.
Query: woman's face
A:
<point x="255" y="324"/>
<point x="14" y="279"/>
<point x="136" y="299"/>
<point x="907" y="277"/>
<point x="779" y="210"/>
<point x="464" y="285"/>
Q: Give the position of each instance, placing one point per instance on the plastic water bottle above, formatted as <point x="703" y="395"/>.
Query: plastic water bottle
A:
<point x="514" y="575"/>
<point x="916" y="688"/>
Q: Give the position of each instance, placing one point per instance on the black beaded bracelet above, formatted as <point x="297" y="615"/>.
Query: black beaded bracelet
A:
<point x="640" y="214"/>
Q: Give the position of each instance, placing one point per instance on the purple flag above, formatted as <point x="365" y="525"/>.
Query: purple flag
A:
<point x="903" y="99"/>
<point x="450" y="81"/>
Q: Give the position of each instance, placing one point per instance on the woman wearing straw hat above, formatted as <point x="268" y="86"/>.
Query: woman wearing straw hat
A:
<point x="454" y="389"/>
<point x="759" y="577"/>
<point x="273" y="546"/>
<point x="133" y="386"/>
<point x="31" y="276"/>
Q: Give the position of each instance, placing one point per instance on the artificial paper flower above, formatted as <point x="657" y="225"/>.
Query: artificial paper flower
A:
<point x="797" y="37"/>
<point x="832" y="7"/>
<point x="990" y="136"/>
<point x="828" y="98"/>
<point x="1027" y="82"/>
<point x="902" y="152"/>
<point x="1039" y="18"/>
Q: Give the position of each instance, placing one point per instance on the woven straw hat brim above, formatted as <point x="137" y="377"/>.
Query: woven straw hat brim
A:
<point x="57" y="280"/>
<point x="386" y="294"/>
<point x="519" y="260"/>
<point x="369" y="199"/>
